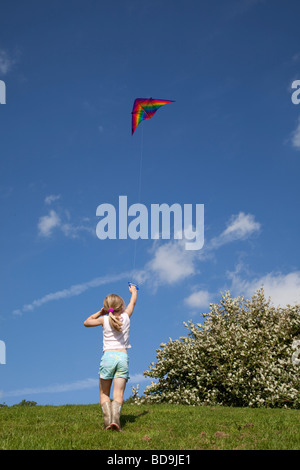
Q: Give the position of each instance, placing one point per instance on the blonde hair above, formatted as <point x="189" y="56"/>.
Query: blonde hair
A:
<point x="117" y="303"/>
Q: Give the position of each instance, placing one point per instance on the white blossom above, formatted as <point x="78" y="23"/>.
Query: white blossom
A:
<point x="241" y="355"/>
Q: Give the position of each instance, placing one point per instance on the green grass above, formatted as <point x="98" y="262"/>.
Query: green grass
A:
<point x="149" y="427"/>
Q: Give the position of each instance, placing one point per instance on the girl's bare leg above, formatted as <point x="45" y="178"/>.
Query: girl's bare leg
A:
<point x="119" y="389"/>
<point x="116" y="405"/>
<point x="105" y="386"/>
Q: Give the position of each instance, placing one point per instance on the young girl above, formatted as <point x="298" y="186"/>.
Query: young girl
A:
<point x="115" y="320"/>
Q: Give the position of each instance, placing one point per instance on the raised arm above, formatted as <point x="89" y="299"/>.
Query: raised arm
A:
<point x="95" y="320"/>
<point x="131" y="305"/>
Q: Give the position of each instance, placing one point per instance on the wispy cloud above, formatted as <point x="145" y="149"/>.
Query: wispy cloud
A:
<point x="282" y="288"/>
<point x="137" y="378"/>
<point x="55" y="388"/>
<point x="76" y="289"/>
<point x="240" y="227"/>
<point x="295" y="137"/>
<point x="52" y="198"/>
<point x="74" y="231"/>
<point x="6" y="62"/>
<point x="198" y="299"/>
<point x="241" y="7"/>
<point x="170" y="263"/>
<point x="83" y="384"/>
<point x="47" y="223"/>
<point x="296" y="57"/>
<point x="60" y="220"/>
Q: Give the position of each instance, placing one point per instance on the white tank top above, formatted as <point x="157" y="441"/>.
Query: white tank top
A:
<point x="113" y="339"/>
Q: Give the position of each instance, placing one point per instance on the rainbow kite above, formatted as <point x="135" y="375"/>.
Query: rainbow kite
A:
<point x="145" y="108"/>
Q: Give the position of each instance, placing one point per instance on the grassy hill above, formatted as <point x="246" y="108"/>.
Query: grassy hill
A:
<point x="149" y="427"/>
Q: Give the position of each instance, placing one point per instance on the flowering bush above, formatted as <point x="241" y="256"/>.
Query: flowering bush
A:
<point x="241" y="355"/>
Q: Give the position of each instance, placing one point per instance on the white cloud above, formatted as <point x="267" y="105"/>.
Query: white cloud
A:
<point x="72" y="231"/>
<point x="241" y="7"/>
<point x="240" y="227"/>
<point x="66" y="387"/>
<point x="47" y="223"/>
<point x="72" y="291"/>
<point x="282" y="289"/>
<point x="172" y="263"/>
<point x="6" y="62"/>
<point x="137" y="378"/>
<point x="295" y="138"/>
<point x="52" y="198"/>
<point x="55" y="388"/>
<point x="198" y="299"/>
<point x="296" y="57"/>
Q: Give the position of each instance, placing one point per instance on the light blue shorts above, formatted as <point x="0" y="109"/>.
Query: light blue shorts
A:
<point x="113" y="365"/>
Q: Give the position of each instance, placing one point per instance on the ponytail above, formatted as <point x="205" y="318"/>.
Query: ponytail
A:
<point x="114" y="322"/>
<point x="114" y="303"/>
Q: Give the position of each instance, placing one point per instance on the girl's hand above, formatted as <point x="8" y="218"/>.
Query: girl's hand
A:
<point x="95" y="320"/>
<point x="99" y="313"/>
<point x="132" y="289"/>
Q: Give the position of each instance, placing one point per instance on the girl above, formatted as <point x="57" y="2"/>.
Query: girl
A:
<point x="115" y="321"/>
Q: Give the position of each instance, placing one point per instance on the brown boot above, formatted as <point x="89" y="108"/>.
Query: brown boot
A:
<point x="106" y="410"/>
<point x="115" y="415"/>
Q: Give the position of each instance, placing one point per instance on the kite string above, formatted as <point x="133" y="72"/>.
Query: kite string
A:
<point x="140" y="190"/>
<point x="141" y="161"/>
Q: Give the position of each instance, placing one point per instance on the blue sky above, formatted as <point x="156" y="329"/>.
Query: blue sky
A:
<point x="231" y="141"/>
